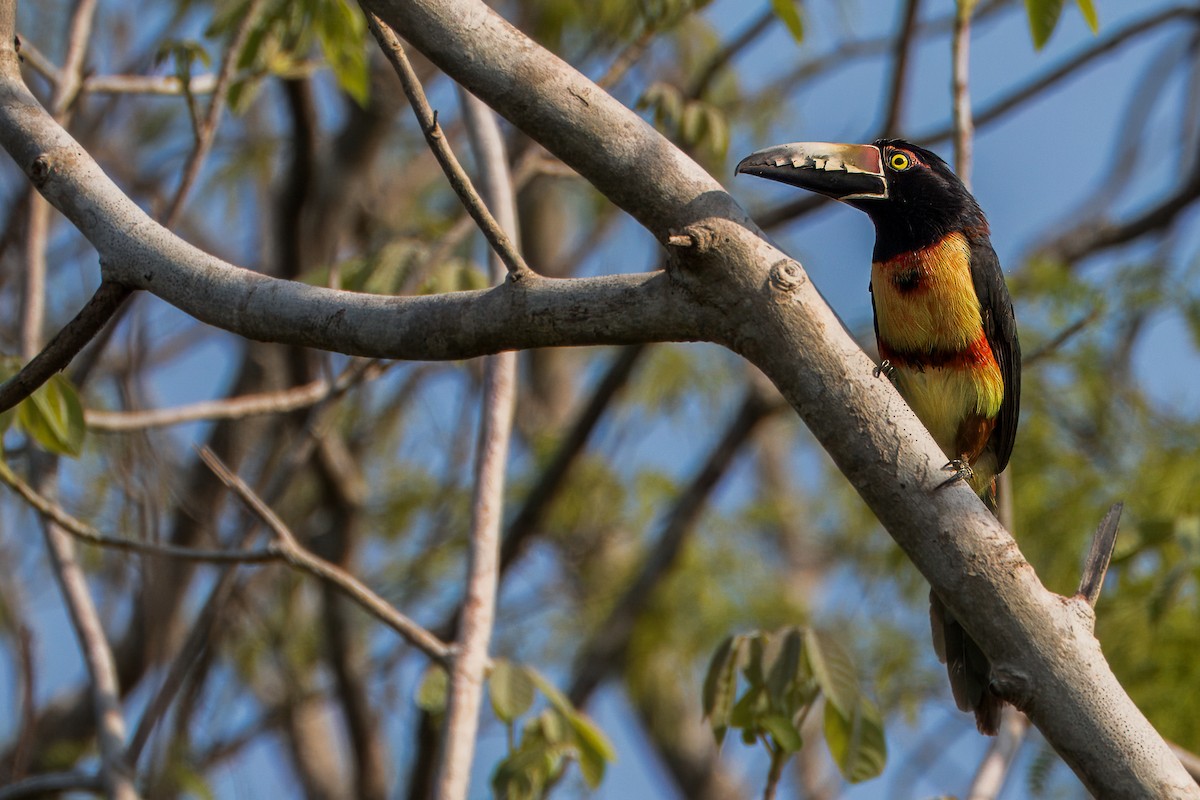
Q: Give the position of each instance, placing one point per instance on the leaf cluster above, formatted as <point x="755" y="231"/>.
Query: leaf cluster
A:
<point x="549" y="741"/>
<point x="765" y="684"/>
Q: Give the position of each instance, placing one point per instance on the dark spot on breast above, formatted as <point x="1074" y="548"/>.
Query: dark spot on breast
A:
<point x="906" y="280"/>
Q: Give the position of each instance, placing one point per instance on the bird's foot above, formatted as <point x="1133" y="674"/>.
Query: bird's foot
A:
<point x="961" y="469"/>
<point x="885" y="368"/>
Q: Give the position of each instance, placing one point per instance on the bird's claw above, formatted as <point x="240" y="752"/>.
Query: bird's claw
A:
<point x="962" y="472"/>
<point x="885" y="368"/>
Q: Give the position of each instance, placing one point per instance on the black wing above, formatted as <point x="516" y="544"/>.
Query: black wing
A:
<point x="1000" y="327"/>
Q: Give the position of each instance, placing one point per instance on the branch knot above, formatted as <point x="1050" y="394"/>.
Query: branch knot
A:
<point x="1012" y="684"/>
<point x="787" y="275"/>
<point x="39" y="170"/>
<point x="702" y="237"/>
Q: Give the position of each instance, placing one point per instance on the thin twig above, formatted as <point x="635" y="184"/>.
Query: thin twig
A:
<point x="55" y="514"/>
<point x="66" y="89"/>
<point x="289" y="549"/>
<point x="500" y="242"/>
<point x="964" y="126"/>
<point x="1068" y="68"/>
<point x="28" y="676"/>
<point x="70" y="76"/>
<point x="729" y="51"/>
<point x="235" y="407"/>
<point x="901" y="50"/>
<point x="66" y="344"/>
<point x="465" y="695"/>
<point x="97" y="655"/>
<point x="1062" y="337"/>
<point x="629" y="55"/>
<point x="37" y="60"/>
<point x="997" y="763"/>
<point x="52" y="783"/>
<point x="160" y="85"/>
<point x="207" y="130"/>
<point x="33" y="287"/>
<point x="553" y="476"/>
<point x="189" y="654"/>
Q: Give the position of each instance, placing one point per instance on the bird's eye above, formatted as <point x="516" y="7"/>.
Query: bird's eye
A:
<point x="899" y="162"/>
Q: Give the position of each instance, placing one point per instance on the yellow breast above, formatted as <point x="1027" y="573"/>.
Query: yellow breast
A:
<point x="925" y="300"/>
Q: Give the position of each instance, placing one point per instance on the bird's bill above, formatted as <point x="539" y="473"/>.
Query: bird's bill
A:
<point x="840" y="171"/>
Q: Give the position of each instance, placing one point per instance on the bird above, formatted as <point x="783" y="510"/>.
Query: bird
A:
<point x="944" y="325"/>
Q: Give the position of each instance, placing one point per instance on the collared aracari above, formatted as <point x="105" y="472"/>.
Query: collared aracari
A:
<point x="944" y="324"/>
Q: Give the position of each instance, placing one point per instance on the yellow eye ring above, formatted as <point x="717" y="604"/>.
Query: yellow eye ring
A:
<point x="899" y="162"/>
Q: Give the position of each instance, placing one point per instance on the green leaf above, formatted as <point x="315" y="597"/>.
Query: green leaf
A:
<point x="431" y="694"/>
<point x="856" y="740"/>
<point x="53" y="417"/>
<point x="692" y="123"/>
<point x="563" y="724"/>
<point x="1043" y="17"/>
<point x="720" y="687"/>
<point x="1088" y="9"/>
<point x="341" y="33"/>
<point x="9" y="366"/>
<point x="1187" y="535"/>
<point x="788" y="12"/>
<point x="747" y="711"/>
<point x="833" y="669"/>
<point x="525" y="774"/>
<point x="550" y="691"/>
<point x="783" y="731"/>
<point x="783" y="666"/>
<point x="553" y="726"/>
<point x="510" y="689"/>
<point x="752" y="664"/>
<point x="595" y="751"/>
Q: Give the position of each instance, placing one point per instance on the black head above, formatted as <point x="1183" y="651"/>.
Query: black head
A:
<point x="911" y="194"/>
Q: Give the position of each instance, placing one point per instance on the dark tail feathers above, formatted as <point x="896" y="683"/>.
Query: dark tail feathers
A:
<point x="968" y="667"/>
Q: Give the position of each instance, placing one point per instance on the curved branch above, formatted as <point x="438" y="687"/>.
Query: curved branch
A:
<point x="137" y="252"/>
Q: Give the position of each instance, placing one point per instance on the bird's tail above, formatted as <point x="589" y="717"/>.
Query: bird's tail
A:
<point x="968" y="667"/>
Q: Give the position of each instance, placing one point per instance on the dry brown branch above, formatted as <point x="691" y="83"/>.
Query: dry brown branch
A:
<point x="207" y="130"/>
<point x="500" y="241"/>
<point x="66" y="344"/>
<point x="465" y="694"/>
<point x="38" y="786"/>
<point x="309" y="394"/>
<point x="55" y="514"/>
<point x="290" y="550"/>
